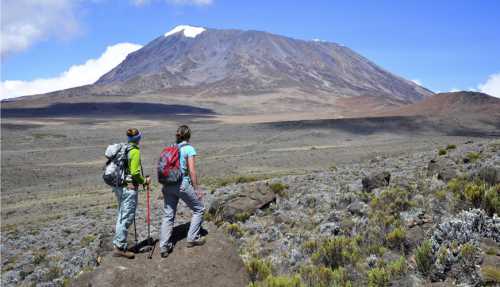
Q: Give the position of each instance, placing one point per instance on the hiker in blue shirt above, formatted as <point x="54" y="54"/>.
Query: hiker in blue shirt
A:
<point x="188" y="191"/>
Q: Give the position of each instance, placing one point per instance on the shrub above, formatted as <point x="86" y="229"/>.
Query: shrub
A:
<point x="474" y="193"/>
<point x="87" y="239"/>
<point x="234" y="230"/>
<point x="310" y="246"/>
<point x="467" y="251"/>
<point x="442" y="152"/>
<point x="278" y="188"/>
<point x="456" y="185"/>
<point x="241" y="216"/>
<point x="424" y="257"/>
<point x="336" y="252"/>
<point x="313" y="276"/>
<point x="491" y="274"/>
<point x="258" y="269"/>
<point x="281" y="281"/>
<point x="392" y="201"/>
<point x="473" y="156"/>
<point x="397" y="267"/>
<point x="54" y="273"/>
<point x="492" y="200"/>
<point x="451" y="146"/>
<point x="39" y="257"/>
<point x="396" y="238"/>
<point x="441" y="194"/>
<point x="378" y="277"/>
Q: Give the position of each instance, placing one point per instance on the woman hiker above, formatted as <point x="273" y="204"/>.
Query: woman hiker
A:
<point x="127" y="195"/>
<point x="188" y="191"/>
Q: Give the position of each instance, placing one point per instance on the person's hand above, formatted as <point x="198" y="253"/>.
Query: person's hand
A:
<point x="199" y="193"/>
<point x="148" y="180"/>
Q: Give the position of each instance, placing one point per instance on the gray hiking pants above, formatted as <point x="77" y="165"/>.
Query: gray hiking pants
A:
<point x="127" y="203"/>
<point x="171" y="196"/>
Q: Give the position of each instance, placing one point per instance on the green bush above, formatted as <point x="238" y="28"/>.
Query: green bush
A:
<point x="337" y="252"/>
<point x="87" y="239"/>
<point x="474" y="193"/>
<point x="492" y="200"/>
<point x="467" y="251"/>
<point x="278" y="188"/>
<point x="451" y="146"/>
<point x="392" y="201"/>
<point x="241" y="216"/>
<point x="258" y="269"/>
<point x="456" y="185"/>
<point x="441" y="194"/>
<point x="310" y="246"/>
<point x="396" y="238"/>
<point x="313" y="276"/>
<point x="473" y="156"/>
<point x="424" y="257"/>
<point x="234" y="230"/>
<point x="378" y="277"/>
<point x="442" y="152"/>
<point x="281" y="281"/>
<point x="491" y="274"/>
<point x="397" y="267"/>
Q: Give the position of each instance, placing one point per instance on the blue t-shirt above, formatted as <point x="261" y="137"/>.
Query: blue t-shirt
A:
<point x="186" y="151"/>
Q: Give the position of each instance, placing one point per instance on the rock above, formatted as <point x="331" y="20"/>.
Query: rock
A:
<point x="242" y="203"/>
<point x="444" y="168"/>
<point x="329" y="228"/>
<point x="358" y="208"/>
<point x="376" y="180"/>
<point x="216" y="263"/>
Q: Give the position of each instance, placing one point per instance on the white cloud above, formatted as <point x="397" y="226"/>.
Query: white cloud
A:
<point x="492" y="86"/>
<point x="25" y="22"/>
<point x="76" y="75"/>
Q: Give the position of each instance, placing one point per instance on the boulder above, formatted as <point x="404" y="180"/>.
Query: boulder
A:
<point x="244" y="202"/>
<point x="444" y="168"/>
<point x="376" y="180"/>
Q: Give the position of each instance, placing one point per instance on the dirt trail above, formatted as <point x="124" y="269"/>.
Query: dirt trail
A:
<point x="216" y="263"/>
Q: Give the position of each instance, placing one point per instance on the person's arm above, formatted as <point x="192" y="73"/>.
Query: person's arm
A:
<point x="192" y="171"/>
<point x="135" y="166"/>
<point x="192" y="174"/>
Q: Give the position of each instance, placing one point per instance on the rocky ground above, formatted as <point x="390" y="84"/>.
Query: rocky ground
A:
<point x="58" y="216"/>
<point x="423" y="218"/>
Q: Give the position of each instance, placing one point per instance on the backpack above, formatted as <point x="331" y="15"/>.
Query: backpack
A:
<point x="169" y="169"/>
<point x="116" y="168"/>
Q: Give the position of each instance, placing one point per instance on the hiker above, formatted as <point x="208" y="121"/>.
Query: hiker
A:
<point x="186" y="189"/>
<point x="127" y="194"/>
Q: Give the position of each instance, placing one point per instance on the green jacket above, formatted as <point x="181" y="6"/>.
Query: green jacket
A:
<point x="134" y="164"/>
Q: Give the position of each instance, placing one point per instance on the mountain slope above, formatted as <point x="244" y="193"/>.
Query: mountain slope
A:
<point x="216" y="62"/>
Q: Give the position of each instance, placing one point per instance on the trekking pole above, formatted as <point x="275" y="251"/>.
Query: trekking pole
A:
<point x="135" y="235"/>
<point x="148" y="212"/>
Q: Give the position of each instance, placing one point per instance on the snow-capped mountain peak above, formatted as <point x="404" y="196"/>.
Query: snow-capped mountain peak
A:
<point x="188" y="31"/>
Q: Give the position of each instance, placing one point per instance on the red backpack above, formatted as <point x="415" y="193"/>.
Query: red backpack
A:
<point x="169" y="170"/>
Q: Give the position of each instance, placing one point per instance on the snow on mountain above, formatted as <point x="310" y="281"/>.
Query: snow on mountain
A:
<point x="189" y="31"/>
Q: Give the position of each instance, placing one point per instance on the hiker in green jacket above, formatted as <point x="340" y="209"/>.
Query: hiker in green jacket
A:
<point x="127" y="195"/>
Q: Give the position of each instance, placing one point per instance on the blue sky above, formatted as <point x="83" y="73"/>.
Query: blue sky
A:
<point x="443" y="44"/>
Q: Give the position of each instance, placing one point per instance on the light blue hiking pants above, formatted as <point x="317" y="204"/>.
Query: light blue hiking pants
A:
<point x="127" y="203"/>
<point x="171" y="196"/>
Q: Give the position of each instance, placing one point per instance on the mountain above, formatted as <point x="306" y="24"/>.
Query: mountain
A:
<point x="235" y="71"/>
<point x="453" y="104"/>
<point x="252" y="62"/>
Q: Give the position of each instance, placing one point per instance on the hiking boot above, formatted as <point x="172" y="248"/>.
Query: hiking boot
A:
<point x="197" y="242"/>
<point x="117" y="252"/>
<point x="167" y="251"/>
